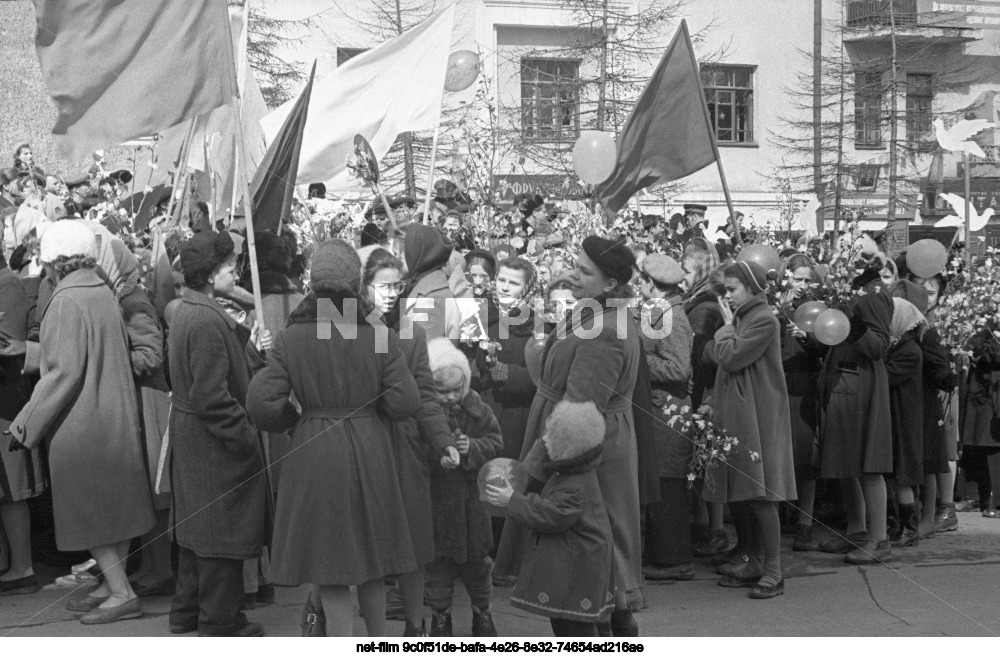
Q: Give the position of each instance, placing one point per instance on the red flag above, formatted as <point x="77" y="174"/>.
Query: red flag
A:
<point x="667" y="136"/>
<point x="121" y="70"/>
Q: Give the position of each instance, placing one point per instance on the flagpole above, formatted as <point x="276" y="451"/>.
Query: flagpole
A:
<point x="258" y="302"/>
<point x="236" y="177"/>
<point x="430" y="173"/>
<point x="181" y="168"/>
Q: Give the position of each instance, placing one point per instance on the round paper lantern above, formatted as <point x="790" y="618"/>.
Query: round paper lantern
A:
<point x="594" y="157"/>
<point x="463" y="69"/>
<point x="832" y="327"/>
<point x="533" y="350"/>
<point x="926" y="258"/>
<point x="805" y="315"/>
<point x="762" y="254"/>
<point x="496" y="472"/>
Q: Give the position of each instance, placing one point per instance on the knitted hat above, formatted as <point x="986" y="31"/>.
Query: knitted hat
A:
<point x="335" y="266"/>
<point x="611" y="257"/>
<point x="67" y="238"/>
<point x="756" y="274"/>
<point x="663" y="269"/>
<point x="441" y="353"/>
<point x="573" y="429"/>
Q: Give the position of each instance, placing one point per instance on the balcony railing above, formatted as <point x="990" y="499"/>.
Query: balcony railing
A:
<point x="876" y="13"/>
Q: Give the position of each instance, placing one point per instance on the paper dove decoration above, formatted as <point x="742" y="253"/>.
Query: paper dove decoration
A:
<point x="976" y="221"/>
<point x="718" y="219"/>
<point x="957" y="137"/>
<point x="805" y="215"/>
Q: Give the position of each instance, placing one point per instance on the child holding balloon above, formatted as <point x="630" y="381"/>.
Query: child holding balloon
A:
<point x="463" y="536"/>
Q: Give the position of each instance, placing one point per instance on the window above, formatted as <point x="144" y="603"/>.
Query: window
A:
<point x="919" y="97"/>
<point x="868" y="109"/>
<point x="729" y="94"/>
<point x="866" y="177"/>
<point x="550" y="99"/>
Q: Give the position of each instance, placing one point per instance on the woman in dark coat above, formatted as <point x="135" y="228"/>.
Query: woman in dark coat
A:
<point x="218" y="477"/>
<point x="602" y="367"/>
<point x="84" y="407"/>
<point x="341" y="518"/>
<point x="21" y="475"/>
<point x="855" y="425"/>
<point x="981" y="403"/>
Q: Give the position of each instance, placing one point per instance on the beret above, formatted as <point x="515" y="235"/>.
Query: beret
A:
<point x="611" y="257"/>
<point x="663" y="269"/>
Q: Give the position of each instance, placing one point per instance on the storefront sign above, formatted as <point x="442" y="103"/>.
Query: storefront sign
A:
<point x="976" y="14"/>
<point x="551" y="187"/>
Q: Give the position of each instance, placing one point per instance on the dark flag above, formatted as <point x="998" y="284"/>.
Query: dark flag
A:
<point x="274" y="182"/>
<point x="667" y="135"/>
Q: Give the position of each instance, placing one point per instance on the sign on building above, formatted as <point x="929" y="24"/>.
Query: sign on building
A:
<point x="551" y="187"/>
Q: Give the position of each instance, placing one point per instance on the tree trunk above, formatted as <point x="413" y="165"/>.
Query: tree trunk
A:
<point x="602" y="85"/>
<point x="818" y="108"/>
<point x="893" y="121"/>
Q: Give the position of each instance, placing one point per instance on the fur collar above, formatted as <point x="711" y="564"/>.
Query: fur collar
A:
<point x="581" y="463"/>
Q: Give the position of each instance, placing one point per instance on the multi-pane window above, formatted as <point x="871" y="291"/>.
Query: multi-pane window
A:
<point x="866" y="177"/>
<point x="729" y="94"/>
<point x="868" y="109"/>
<point x="550" y="99"/>
<point x="919" y="97"/>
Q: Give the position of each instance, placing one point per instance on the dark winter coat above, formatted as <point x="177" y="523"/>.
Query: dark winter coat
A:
<point x="939" y="376"/>
<point x="802" y="360"/>
<point x="218" y="482"/>
<point x="705" y="318"/>
<point x="84" y="407"/>
<point x="462" y="528"/>
<point x="751" y="403"/>
<point x="982" y="394"/>
<point x="509" y="399"/>
<point x="904" y="367"/>
<point x="568" y="573"/>
<point x="855" y="422"/>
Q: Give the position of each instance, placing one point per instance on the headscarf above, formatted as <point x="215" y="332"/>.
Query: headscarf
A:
<point x="905" y="317"/>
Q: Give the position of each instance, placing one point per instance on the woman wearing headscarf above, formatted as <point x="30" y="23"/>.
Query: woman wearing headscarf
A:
<point x="341" y="450"/>
<point x="428" y="297"/>
<point x="596" y="360"/>
<point x="84" y="407"/>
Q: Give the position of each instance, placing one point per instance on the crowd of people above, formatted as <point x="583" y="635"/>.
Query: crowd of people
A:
<point x="651" y="383"/>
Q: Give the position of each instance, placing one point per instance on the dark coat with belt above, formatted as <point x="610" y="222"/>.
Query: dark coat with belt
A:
<point x="84" y="406"/>
<point x="855" y="424"/>
<point x="218" y="481"/>
<point x="904" y="366"/>
<point x="568" y="573"/>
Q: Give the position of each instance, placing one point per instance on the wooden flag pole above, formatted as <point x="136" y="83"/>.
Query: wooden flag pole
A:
<point x="968" y="215"/>
<point x="258" y="301"/>
<point x="181" y="169"/>
<point x="430" y="172"/>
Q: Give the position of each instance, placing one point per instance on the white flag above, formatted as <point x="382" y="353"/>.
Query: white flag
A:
<point x="393" y="88"/>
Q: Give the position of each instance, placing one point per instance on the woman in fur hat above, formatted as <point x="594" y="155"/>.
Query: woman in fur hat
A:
<point x="566" y="578"/>
<point x="341" y="520"/>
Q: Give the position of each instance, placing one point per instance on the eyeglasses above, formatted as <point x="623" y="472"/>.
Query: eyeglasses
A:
<point x="385" y="287"/>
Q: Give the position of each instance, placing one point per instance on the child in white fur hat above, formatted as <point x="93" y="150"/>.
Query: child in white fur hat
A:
<point x="463" y="534"/>
<point x="567" y="576"/>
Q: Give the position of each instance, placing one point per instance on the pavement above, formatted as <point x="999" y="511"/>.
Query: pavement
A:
<point x="945" y="586"/>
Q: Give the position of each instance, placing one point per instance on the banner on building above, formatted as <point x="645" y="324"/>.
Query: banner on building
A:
<point x="551" y="187"/>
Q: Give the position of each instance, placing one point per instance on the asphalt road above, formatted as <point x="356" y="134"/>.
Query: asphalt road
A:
<point x="946" y="586"/>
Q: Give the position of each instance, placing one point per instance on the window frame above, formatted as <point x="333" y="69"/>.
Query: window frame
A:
<point x="920" y="137"/>
<point x="533" y="105"/>
<point x="713" y="91"/>
<point x="868" y="113"/>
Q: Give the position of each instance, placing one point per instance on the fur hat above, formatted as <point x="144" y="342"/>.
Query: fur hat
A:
<point x="573" y="429"/>
<point x="67" y="238"/>
<point x="441" y="353"/>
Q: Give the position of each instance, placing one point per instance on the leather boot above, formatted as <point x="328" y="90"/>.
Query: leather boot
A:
<point x="909" y="527"/>
<point x="623" y="624"/>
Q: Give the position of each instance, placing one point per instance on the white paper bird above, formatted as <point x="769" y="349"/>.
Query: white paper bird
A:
<point x="718" y="219"/>
<point x="957" y="137"/>
<point x="805" y="214"/>
<point x="976" y="221"/>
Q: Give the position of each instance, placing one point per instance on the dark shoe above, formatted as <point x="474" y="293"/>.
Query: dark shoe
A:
<point x="803" y="538"/>
<point x="840" y="544"/>
<point x="907" y="538"/>
<point x="440" y="624"/>
<point x="908" y="534"/>
<point x="130" y="610"/>
<point x="946" y="519"/>
<point x="738" y="582"/>
<point x="502" y="581"/>
<point x="715" y="545"/>
<point x="181" y="629"/>
<point x="265" y="594"/>
<point x="870" y="553"/>
<point x="729" y="567"/>
<point x="84" y="603"/>
<point x="248" y="630"/>
<point x="623" y="624"/>
<point x="249" y="601"/>
<point x="415" y="631"/>
<point x="164" y="588"/>
<point x="926" y="530"/>
<point x="991" y="513"/>
<point x="394" y="605"/>
<point x="734" y="555"/>
<point x="683" y="572"/>
<point x="767" y="591"/>
<point x="313" y="621"/>
<point x="24" y="585"/>
<point x="482" y="624"/>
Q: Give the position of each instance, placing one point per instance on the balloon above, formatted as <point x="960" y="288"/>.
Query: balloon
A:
<point x="926" y="258"/>
<point x="832" y="327"/>
<point x="805" y="315"/>
<point x="463" y="69"/>
<point x="762" y="254"/>
<point x="497" y="471"/>
<point x="533" y="358"/>
<point x="594" y="156"/>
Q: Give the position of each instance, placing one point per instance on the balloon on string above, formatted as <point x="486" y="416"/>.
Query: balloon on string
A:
<point x="762" y="254"/>
<point x="926" y="258"/>
<point x="533" y="350"/>
<point x="805" y="315"/>
<point x="832" y="327"/>
<point x="496" y="472"/>
<point x="594" y="156"/>
<point x="463" y="69"/>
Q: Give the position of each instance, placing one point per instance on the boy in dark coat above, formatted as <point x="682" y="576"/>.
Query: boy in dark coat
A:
<point x="566" y="578"/>
<point x="463" y="536"/>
